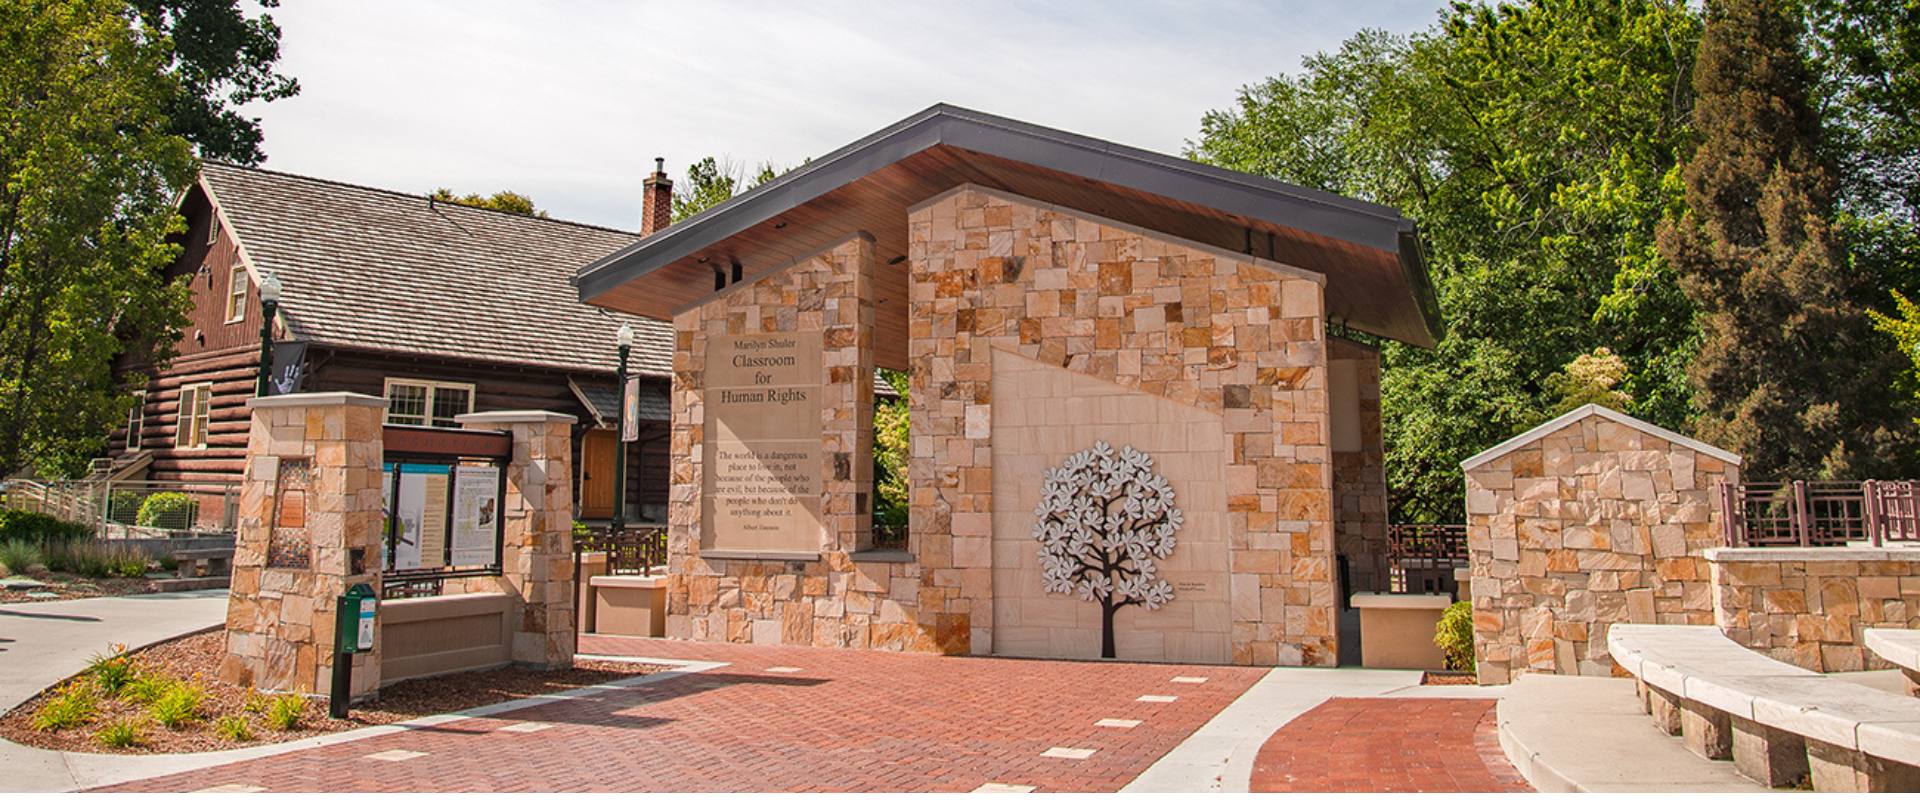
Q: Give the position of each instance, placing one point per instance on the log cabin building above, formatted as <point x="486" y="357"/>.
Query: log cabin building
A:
<point x="442" y="309"/>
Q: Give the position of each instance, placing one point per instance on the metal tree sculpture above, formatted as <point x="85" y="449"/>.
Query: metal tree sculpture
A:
<point x="1103" y="520"/>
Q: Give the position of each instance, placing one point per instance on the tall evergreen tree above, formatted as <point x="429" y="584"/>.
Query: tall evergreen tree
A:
<point x="1790" y="372"/>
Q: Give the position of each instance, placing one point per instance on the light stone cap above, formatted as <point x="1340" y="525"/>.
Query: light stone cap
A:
<point x="1405" y="601"/>
<point x="1894" y="741"/>
<point x="629" y="581"/>
<point x="311" y="399"/>
<point x="1590" y="410"/>
<point x="1749" y="555"/>
<point x="514" y="417"/>
<point x="1899" y="646"/>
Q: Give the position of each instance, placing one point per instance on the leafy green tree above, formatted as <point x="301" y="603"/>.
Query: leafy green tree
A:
<point x="1537" y="145"/>
<point x="1790" y="372"/>
<point x="89" y="168"/>
<point x="711" y="181"/>
<point x="506" y="200"/>
<point x="220" y="59"/>
<point x="891" y="445"/>
<point x="1589" y="378"/>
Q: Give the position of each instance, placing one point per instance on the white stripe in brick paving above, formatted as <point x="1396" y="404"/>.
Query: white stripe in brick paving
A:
<point x="395" y="755"/>
<point x="783" y="669"/>
<point x="527" y="727"/>
<point x="1156" y="698"/>
<point x="1075" y="753"/>
<point x="1003" y="788"/>
<point x="1118" y="723"/>
<point x="231" y="788"/>
<point x="1189" y="679"/>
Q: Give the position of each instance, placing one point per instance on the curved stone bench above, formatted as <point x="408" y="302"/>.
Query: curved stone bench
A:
<point x="1779" y="723"/>
<point x="1901" y="648"/>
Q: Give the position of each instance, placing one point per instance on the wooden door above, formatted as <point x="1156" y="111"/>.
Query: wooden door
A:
<point x="596" y="474"/>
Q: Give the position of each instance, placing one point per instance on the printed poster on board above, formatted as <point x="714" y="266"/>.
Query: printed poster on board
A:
<point x="417" y="511"/>
<point x="476" y="515"/>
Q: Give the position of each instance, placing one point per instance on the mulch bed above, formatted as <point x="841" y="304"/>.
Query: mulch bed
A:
<point x="196" y="658"/>
<point x="73" y="587"/>
<point x="1432" y="678"/>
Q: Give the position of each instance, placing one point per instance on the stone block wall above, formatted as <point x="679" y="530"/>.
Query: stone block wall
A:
<point x="537" y="534"/>
<point x="1808" y="606"/>
<point x="1359" y="469"/>
<point x="1590" y="519"/>
<point x="309" y="527"/>
<point x="844" y="597"/>
<point x="1225" y="333"/>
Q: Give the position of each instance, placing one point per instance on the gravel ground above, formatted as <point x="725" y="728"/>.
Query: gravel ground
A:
<point x="74" y="587"/>
<point x="197" y="658"/>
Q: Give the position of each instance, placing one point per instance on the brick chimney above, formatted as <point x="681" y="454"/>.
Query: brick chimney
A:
<point x="656" y="203"/>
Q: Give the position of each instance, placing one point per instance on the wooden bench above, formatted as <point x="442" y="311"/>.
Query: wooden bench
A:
<point x="1779" y="723"/>
<point x="1901" y="648"/>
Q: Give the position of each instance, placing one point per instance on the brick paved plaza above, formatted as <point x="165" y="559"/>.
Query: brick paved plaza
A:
<point x="809" y="719"/>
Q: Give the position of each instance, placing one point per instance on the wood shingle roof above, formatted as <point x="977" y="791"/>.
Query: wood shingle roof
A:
<point x="373" y="269"/>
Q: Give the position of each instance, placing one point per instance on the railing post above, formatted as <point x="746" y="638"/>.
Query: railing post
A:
<point x="1870" y="508"/>
<point x="1799" y="516"/>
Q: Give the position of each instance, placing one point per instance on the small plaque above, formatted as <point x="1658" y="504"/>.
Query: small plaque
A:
<point x="289" y="545"/>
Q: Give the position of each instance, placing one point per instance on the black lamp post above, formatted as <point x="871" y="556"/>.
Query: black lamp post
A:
<point x="269" y="305"/>
<point x="619" y="525"/>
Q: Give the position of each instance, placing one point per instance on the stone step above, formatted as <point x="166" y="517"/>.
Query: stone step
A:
<point x="1570" y="733"/>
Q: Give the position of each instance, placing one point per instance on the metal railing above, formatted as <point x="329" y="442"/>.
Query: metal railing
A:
<point x="637" y="550"/>
<point x="1423" y="556"/>
<point x="1821" y="513"/>
<point x="134" y="509"/>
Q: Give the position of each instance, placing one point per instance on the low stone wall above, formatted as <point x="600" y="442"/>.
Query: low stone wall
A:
<point x="437" y="635"/>
<point x="1808" y="605"/>
<point x="1590" y="519"/>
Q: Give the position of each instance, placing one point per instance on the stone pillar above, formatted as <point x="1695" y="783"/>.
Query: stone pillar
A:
<point x="1768" y="756"/>
<point x="309" y="527"/>
<point x="537" y="552"/>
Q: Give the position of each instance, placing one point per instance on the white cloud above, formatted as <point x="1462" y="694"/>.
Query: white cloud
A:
<point x="569" y="103"/>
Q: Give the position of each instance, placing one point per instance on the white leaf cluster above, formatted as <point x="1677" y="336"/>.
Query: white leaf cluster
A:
<point x="1104" y="520"/>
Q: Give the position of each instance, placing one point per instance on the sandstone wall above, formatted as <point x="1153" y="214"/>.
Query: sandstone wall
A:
<point x="1360" y="470"/>
<point x="1224" y="333"/>
<point x="1592" y="519"/>
<point x="1808" y="606"/>
<point x="844" y="597"/>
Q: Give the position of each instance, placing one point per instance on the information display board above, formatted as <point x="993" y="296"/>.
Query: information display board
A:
<point x="476" y="515"/>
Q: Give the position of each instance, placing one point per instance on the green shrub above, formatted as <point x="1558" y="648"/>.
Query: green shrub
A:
<point x="96" y="559"/>
<point x="171" y="510"/>
<point x="123" y="506"/>
<point x="256" y="703"/>
<point x="1454" y="635"/>
<point x="72" y="707"/>
<point x="111" y="672"/>
<point x="122" y="734"/>
<point x="145" y="689"/>
<point x="285" y="712"/>
<point x="233" y="727"/>
<point x="169" y="562"/>
<point x="178" y="706"/>
<point x="33" y="526"/>
<point x="20" y="555"/>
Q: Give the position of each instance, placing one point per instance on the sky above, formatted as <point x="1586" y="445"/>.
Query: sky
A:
<point x="571" y="102"/>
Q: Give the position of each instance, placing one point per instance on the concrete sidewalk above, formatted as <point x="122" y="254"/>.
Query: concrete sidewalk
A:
<point x="44" y="643"/>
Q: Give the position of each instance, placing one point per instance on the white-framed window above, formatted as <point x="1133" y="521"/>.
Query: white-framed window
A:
<point x="237" y="295"/>
<point x="427" y="403"/>
<point x="213" y="229"/>
<point x="196" y="406"/>
<point x="137" y="421"/>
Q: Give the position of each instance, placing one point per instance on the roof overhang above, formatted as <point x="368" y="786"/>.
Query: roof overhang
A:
<point x="1372" y="256"/>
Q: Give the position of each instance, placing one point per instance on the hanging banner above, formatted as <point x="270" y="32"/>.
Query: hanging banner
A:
<point x="630" y="411"/>
<point x="288" y="368"/>
<point x="476" y="515"/>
